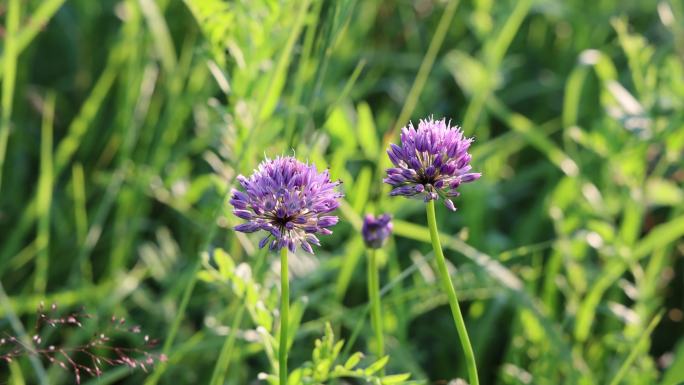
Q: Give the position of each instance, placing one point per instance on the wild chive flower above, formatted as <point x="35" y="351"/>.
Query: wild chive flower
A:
<point x="288" y="199"/>
<point x="376" y="231"/>
<point x="431" y="162"/>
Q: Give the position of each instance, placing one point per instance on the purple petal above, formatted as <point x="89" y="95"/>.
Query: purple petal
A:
<point x="465" y="178"/>
<point x="327" y="221"/>
<point x="248" y="227"/>
<point x="313" y="239"/>
<point x="244" y="214"/>
<point x="307" y="247"/>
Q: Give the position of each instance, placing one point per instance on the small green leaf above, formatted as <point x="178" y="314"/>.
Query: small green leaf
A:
<point x="366" y="130"/>
<point x="663" y="192"/>
<point x="362" y="187"/>
<point x="206" y="276"/>
<point x="353" y="360"/>
<point x="675" y="373"/>
<point x="395" y="379"/>
<point x="376" y="366"/>
<point x="263" y="316"/>
<point x="224" y="262"/>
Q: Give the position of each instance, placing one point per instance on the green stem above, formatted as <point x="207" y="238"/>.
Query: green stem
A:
<point x="448" y="287"/>
<point x="374" y="298"/>
<point x="175" y="326"/>
<point x="284" y="316"/>
<point x="219" y="375"/>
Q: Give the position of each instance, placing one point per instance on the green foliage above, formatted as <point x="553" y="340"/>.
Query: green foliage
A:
<point x="325" y="366"/>
<point x="125" y="122"/>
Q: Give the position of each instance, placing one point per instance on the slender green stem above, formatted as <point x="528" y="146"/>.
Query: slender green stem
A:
<point x="284" y="316"/>
<point x="9" y="66"/>
<point x="639" y="347"/>
<point x="374" y="299"/>
<point x="219" y="374"/>
<point x="175" y="326"/>
<point x="448" y="287"/>
<point x="218" y="377"/>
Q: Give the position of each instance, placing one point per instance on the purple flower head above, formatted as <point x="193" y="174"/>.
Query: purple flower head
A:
<point x="288" y="200"/>
<point x="432" y="161"/>
<point x="376" y="231"/>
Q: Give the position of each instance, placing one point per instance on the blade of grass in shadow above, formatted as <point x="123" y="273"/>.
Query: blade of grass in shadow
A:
<point x="525" y="127"/>
<point x="9" y="65"/>
<point x="79" y="198"/>
<point x="268" y="101"/>
<point x="306" y="62"/>
<point x="96" y="227"/>
<point x="39" y="18"/>
<point x="424" y="69"/>
<point x="175" y="325"/>
<point x="160" y="33"/>
<point x="68" y="146"/>
<point x="45" y="190"/>
<point x="336" y="18"/>
<point x="187" y="78"/>
<point x="493" y="53"/>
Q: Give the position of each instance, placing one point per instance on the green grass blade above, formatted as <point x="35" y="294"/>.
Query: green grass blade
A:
<point x="45" y="190"/>
<point x="9" y="65"/>
<point x="160" y="33"/>
<point x="636" y="350"/>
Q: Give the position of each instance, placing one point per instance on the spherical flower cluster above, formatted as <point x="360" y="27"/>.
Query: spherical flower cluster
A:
<point x="376" y="231"/>
<point x="288" y="199"/>
<point x="431" y="162"/>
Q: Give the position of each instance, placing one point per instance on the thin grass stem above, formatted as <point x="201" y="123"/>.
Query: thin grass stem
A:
<point x="219" y="374"/>
<point x="636" y="350"/>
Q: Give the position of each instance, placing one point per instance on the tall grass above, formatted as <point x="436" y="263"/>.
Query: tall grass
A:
<point x="124" y="124"/>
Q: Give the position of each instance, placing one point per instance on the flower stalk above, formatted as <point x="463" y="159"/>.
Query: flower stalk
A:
<point x="284" y="316"/>
<point x="448" y="287"/>
<point x="374" y="298"/>
<point x="376" y="231"/>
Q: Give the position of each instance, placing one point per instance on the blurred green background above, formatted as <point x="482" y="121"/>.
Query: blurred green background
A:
<point x="124" y="124"/>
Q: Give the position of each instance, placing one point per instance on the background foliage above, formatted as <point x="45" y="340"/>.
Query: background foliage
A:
<point x="124" y="124"/>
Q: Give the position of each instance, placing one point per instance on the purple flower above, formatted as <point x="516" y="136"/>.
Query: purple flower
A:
<point x="376" y="231"/>
<point x="288" y="199"/>
<point x="431" y="162"/>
